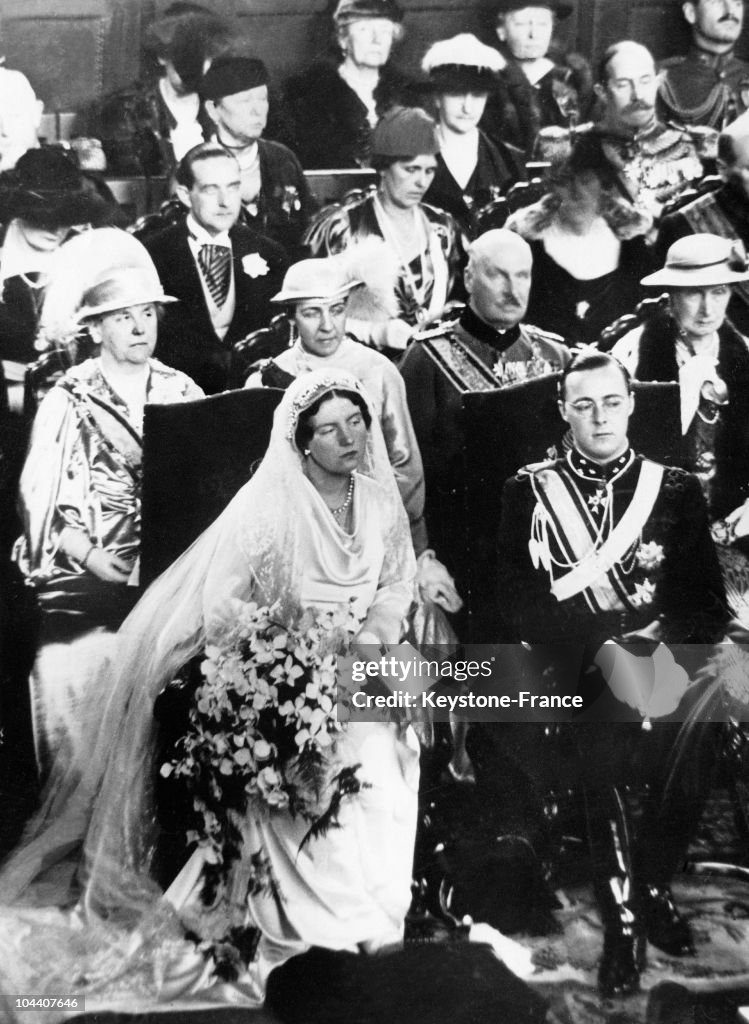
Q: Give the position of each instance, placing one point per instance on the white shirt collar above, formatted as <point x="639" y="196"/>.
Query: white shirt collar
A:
<point x="200" y="236"/>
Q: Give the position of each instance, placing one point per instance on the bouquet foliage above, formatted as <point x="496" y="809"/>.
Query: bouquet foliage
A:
<point x="262" y="730"/>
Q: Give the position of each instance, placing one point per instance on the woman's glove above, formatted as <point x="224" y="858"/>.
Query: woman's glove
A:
<point x="737" y="522"/>
<point x="435" y="583"/>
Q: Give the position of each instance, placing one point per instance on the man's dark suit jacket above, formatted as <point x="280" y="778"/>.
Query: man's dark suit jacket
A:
<point x="187" y="340"/>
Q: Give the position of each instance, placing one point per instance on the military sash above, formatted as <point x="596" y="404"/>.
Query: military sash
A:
<point x="705" y="216"/>
<point x="465" y="370"/>
<point x="595" y="569"/>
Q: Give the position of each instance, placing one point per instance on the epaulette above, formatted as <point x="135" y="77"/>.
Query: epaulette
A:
<point x="534" y="467"/>
<point x="444" y="327"/>
<point x="541" y="335"/>
<point x="671" y="62"/>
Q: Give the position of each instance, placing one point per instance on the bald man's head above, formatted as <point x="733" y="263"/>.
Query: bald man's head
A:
<point x="498" y="278"/>
<point x="628" y="83"/>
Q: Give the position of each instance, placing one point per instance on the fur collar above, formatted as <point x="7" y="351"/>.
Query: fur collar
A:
<point x="624" y="220"/>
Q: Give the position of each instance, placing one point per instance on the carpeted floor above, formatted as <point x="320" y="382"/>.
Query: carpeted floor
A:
<point x="718" y="911"/>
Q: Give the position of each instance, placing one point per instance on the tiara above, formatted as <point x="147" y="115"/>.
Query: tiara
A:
<point x="307" y="396"/>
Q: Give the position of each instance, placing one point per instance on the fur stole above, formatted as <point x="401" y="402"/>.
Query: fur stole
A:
<point x="624" y="220"/>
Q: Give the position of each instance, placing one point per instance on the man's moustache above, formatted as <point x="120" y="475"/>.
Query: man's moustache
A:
<point x="639" y="105"/>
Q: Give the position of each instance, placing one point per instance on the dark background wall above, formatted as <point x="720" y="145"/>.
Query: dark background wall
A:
<point x="75" y="50"/>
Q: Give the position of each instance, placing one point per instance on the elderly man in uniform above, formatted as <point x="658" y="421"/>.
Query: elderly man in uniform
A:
<point x="600" y="549"/>
<point x="708" y="85"/>
<point x="724" y="211"/>
<point x="484" y="348"/>
<point x="654" y="162"/>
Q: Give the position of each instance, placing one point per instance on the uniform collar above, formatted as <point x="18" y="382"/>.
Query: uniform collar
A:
<point x="589" y="470"/>
<point x="482" y="331"/>
<point x="710" y="59"/>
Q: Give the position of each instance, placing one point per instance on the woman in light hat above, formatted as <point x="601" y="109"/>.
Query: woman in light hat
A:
<point x="693" y="343"/>
<point x="471" y="170"/>
<point x="332" y="108"/>
<point x="421" y="241"/>
<point x="80" y="486"/>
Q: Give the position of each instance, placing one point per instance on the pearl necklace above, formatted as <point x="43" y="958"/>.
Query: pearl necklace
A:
<point x="338" y="512"/>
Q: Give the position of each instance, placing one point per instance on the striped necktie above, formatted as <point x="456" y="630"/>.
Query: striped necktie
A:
<point x="215" y="262"/>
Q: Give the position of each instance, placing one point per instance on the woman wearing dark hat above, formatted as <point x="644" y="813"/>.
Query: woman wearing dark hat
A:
<point x="147" y="129"/>
<point x="471" y="170"/>
<point x="536" y="90"/>
<point x="422" y="242"/>
<point x="80" y="486"/>
<point x="275" y="195"/>
<point x="41" y="200"/>
<point x="331" y="109"/>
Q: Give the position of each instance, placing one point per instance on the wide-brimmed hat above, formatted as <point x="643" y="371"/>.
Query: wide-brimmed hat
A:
<point x="161" y="34"/>
<point x="462" y="63"/>
<point x="229" y="75"/>
<point x="700" y="261"/>
<point x="562" y="8"/>
<point x="121" y="287"/>
<point x="46" y="187"/>
<point x="405" y="131"/>
<point x="354" y="10"/>
<point x="323" y="279"/>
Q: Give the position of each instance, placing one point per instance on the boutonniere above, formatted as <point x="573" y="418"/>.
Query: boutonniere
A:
<point x="254" y="265"/>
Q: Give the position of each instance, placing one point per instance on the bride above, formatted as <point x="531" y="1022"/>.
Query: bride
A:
<point x="321" y="526"/>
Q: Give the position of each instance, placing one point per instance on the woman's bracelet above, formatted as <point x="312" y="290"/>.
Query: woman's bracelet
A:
<point x="84" y="561"/>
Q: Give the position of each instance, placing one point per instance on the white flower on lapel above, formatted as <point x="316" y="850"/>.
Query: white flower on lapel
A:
<point x="254" y="265"/>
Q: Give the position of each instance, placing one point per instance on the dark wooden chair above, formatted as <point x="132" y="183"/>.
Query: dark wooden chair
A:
<point x="525" y="193"/>
<point x="644" y="311"/>
<point x="264" y="343"/>
<point x="42" y="375"/>
<point x="492" y="215"/>
<point x="708" y="184"/>
<point x="196" y="456"/>
<point x="511" y="427"/>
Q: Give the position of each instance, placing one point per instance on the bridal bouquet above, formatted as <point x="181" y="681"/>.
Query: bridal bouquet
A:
<point x="262" y="726"/>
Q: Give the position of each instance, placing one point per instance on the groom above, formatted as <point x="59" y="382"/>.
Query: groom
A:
<point x="603" y="545"/>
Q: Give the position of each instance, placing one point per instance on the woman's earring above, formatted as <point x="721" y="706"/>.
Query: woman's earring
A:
<point x="305" y="453"/>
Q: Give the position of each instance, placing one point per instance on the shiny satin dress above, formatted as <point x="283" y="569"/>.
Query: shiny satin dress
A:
<point x="350" y="889"/>
<point x="83" y="471"/>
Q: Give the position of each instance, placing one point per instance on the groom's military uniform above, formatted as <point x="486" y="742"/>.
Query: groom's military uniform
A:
<point x="591" y="553"/>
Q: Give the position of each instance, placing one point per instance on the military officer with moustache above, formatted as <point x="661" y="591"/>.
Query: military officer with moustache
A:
<point x="484" y="347"/>
<point x="709" y="84"/>
<point x="601" y="549"/>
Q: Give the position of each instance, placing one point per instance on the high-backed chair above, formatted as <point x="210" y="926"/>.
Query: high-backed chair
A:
<point x="196" y="456"/>
<point x="517" y="425"/>
<point x="258" y="345"/>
